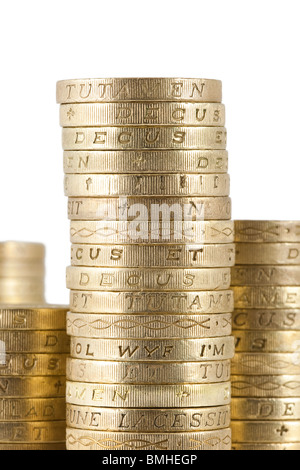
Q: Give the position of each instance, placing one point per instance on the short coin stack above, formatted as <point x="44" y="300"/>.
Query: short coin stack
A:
<point x="266" y="368"/>
<point x="22" y="272"/>
<point x="150" y="319"/>
<point x="33" y="350"/>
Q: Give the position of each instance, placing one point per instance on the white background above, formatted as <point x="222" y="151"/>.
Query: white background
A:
<point x="252" y="46"/>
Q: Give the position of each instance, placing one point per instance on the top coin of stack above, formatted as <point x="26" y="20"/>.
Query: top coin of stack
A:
<point x="22" y="273"/>
<point x="150" y="321"/>
<point x="266" y="369"/>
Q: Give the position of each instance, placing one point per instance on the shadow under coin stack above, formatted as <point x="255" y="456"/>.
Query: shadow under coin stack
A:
<point x="33" y="348"/>
<point x="266" y="368"/>
<point x="22" y="272"/>
<point x="150" y="319"/>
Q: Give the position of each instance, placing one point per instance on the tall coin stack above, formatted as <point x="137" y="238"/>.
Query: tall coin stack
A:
<point x="266" y="368"/>
<point x="150" y="320"/>
<point x="33" y="347"/>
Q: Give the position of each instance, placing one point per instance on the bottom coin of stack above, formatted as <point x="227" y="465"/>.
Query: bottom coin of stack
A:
<point x="152" y="393"/>
<point x="266" y="368"/>
<point x="33" y="350"/>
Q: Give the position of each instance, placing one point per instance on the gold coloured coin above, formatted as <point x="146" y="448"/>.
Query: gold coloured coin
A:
<point x="147" y="185"/>
<point x="268" y="253"/>
<point x="46" y="431"/>
<point x="148" y="396"/>
<point x="93" y="232"/>
<point x="130" y="279"/>
<point x="282" y="386"/>
<point x="35" y="365"/>
<point x="179" y="209"/>
<point x="17" y="269"/>
<point x="166" y="350"/>
<point x="267" y="297"/>
<point x="139" y="89"/>
<point x="148" y="420"/>
<point x="32" y="410"/>
<point x="265" y="409"/>
<point x="21" y="251"/>
<point x="103" y="441"/>
<point x="145" y="326"/>
<point x="46" y="317"/>
<point x="34" y="341"/>
<point x="192" y="303"/>
<point x="266" y="275"/>
<point x="268" y="342"/>
<point x="267" y="320"/>
<point x="265" y="431"/>
<point x="146" y="161"/>
<point x="126" y="138"/>
<point x="179" y="256"/>
<point x="145" y="373"/>
<point x="32" y="387"/>
<point x="266" y="447"/>
<point x="23" y="291"/>
<point x="58" y="446"/>
<point x="266" y="364"/>
<point x="146" y="114"/>
<point x="267" y="231"/>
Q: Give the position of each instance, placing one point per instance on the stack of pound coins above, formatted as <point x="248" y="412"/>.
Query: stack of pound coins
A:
<point x="266" y="368"/>
<point x="33" y="351"/>
<point x="152" y="246"/>
<point x="22" y="273"/>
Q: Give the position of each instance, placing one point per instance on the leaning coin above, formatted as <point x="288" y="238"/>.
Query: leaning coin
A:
<point x="42" y="431"/>
<point x="266" y="364"/>
<point x="265" y="409"/>
<point x="265" y="431"/>
<point x="148" y="396"/>
<point x="148" y="420"/>
<point x="131" y="303"/>
<point x="35" y="365"/>
<point x="285" y="386"/>
<point x="146" y="114"/>
<point x="146" y="161"/>
<point x="101" y="441"/>
<point x="146" y="255"/>
<point x="34" y="341"/>
<point x="147" y="185"/>
<point x="144" y="373"/>
<point x="145" y="326"/>
<point x="167" y="350"/>
<point x="32" y="410"/>
<point x="208" y="212"/>
<point x="138" y="280"/>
